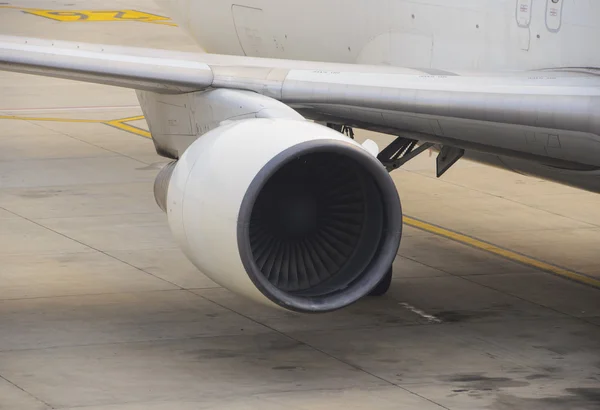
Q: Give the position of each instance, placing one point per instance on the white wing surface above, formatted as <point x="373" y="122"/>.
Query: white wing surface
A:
<point x="504" y="110"/>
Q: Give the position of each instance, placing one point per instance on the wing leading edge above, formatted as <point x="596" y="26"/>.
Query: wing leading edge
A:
<point x="435" y="105"/>
<point x="129" y="67"/>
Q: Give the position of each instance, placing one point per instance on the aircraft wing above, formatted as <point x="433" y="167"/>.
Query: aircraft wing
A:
<point x="434" y="105"/>
<point x="118" y="66"/>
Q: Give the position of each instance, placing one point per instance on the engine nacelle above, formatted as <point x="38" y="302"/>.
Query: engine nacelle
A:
<point x="286" y="212"/>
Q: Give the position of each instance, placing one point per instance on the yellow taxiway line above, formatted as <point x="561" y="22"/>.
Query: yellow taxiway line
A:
<point x="505" y="253"/>
<point x="122" y="124"/>
<point x="118" y="123"/>
<point x="21" y="118"/>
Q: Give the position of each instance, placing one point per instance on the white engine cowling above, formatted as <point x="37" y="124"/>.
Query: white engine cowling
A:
<point x="286" y="212"/>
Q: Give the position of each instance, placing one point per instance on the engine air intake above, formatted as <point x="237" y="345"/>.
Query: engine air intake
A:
<point x="309" y="220"/>
<point x="316" y="223"/>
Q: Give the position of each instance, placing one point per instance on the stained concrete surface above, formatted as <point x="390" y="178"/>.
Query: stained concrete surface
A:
<point x="100" y="310"/>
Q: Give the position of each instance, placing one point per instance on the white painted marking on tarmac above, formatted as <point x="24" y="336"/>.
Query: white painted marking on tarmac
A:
<point x="424" y="315"/>
<point x="100" y="107"/>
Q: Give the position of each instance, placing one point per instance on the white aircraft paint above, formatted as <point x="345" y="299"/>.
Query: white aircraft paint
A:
<point x="445" y="34"/>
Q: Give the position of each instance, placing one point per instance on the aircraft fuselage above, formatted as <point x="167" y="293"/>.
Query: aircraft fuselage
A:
<point x="439" y="37"/>
<point x="490" y="35"/>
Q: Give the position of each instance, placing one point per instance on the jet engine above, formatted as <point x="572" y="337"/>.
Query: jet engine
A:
<point x="285" y="212"/>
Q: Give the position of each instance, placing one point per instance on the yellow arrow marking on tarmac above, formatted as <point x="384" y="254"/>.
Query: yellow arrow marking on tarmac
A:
<point x="95" y="15"/>
<point x="122" y="125"/>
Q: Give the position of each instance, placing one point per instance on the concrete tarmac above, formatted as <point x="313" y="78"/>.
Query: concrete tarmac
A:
<point x="99" y="310"/>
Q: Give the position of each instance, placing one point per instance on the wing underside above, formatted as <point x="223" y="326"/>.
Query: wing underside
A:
<point x="433" y="105"/>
